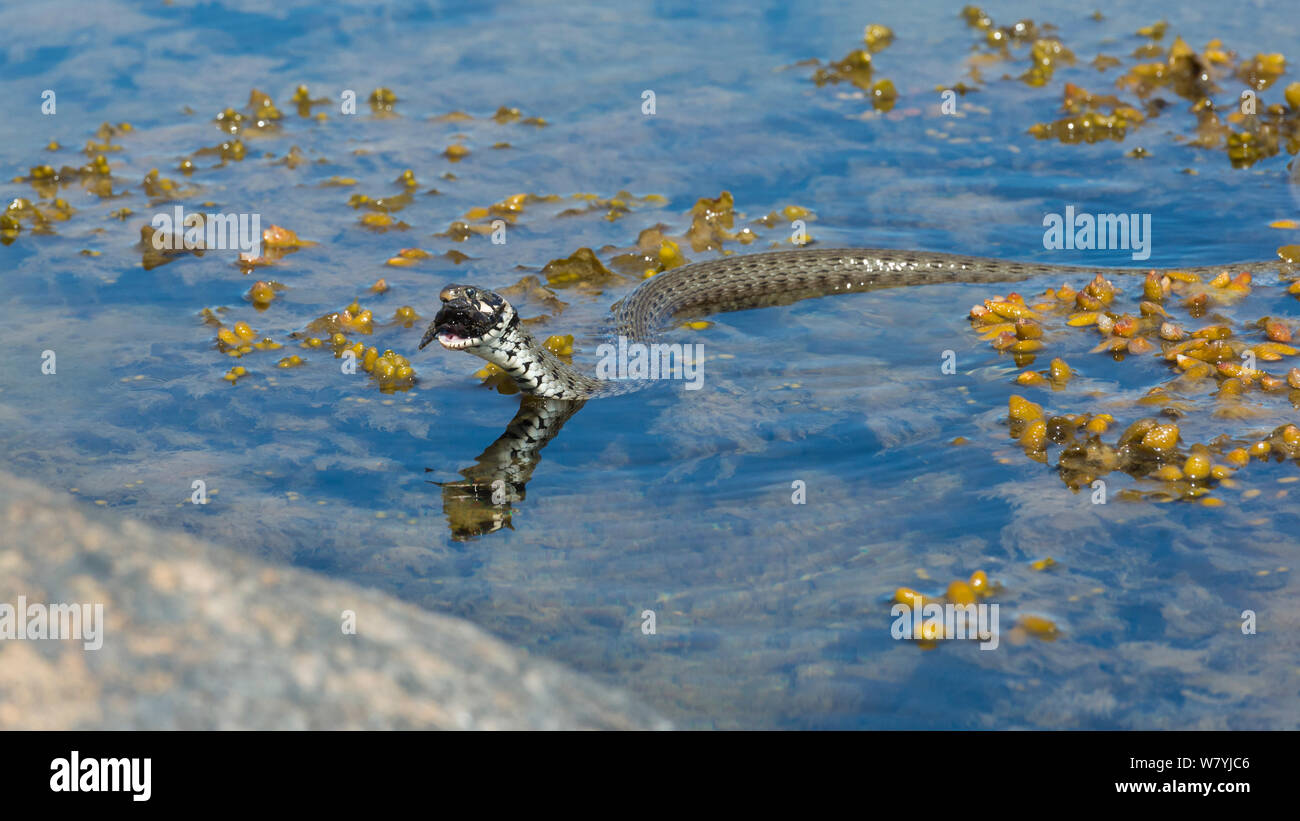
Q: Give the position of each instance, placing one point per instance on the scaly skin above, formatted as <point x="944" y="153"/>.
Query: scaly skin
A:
<point x="742" y="282"/>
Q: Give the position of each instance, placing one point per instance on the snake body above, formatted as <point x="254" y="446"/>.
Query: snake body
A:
<point x="485" y="324"/>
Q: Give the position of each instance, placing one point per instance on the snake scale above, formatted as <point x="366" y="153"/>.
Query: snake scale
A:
<point x="483" y="323"/>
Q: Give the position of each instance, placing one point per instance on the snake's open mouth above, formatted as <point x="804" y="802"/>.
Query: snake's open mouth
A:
<point x="453" y="342"/>
<point x="467" y="318"/>
<point x="457" y="327"/>
<point x="454" y="332"/>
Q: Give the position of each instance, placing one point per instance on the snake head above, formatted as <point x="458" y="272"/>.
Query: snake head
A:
<point x="469" y="317"/>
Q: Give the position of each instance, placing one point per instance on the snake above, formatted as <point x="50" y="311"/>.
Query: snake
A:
<point x="481" y="322"/>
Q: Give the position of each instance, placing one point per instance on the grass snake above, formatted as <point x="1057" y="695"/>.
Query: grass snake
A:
<point x="485" y="324"/>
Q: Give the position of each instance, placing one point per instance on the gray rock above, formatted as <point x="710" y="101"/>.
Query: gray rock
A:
<point x="199" y="637"/>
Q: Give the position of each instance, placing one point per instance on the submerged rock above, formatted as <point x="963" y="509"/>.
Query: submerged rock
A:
<point x="197" y="637"/>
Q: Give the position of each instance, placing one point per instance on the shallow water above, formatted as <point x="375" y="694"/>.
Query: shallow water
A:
<point x="768" y="614"/>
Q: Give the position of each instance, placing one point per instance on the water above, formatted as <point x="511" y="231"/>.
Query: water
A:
<point x="768" y="614"/>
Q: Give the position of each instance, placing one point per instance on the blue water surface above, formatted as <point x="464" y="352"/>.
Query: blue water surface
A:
<point x="767" y="613"/>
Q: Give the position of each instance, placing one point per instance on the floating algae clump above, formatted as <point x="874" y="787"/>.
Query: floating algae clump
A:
<point x="385" y="205"/>
<point x="404" y="257"/>
<point x="262" y="294"/>
<point x="855" y="68"/>
<point x="227" y="150"/>
<point x="263" y="108"/>
<point x="239" y="340"/>
<point x="504" y="114"/>
<point x="161" y="189"/>
<point x="382" y="101"/>
<point x="391" y="371"/>
<point x="883" y="95"/>
<point x="1247" y="129"/>
<point x="1217" y="367"/>
<point x="262" y="116"/>
<point x="460" y="231"/>
<point x="580" y="268"/>
<point x="352" y="319"/>
<point x="1046" y="54"/>
<point x="381" y="222"/>
<point x="561" y="346"/>
<point x="484" y="220"/>
<point x="934" y="628"/>
<point x="1035" y="626"/>
<point x="1087" y="121"/>
<point x="303" y="100"/>
<point x="877" y="37"/>
<point x="95" y="176"/>
<point x="711" y="222"/>
<point x="650" y="254"/>
<point x="1262" y="70"/>
<point x="615" y="207"/>
<point x="22" y="210"/>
